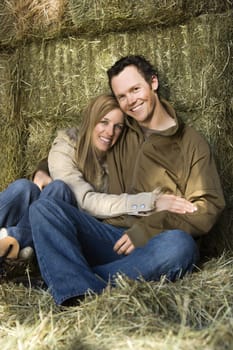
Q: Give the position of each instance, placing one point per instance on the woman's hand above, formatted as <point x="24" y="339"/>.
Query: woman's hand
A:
<point x="41" y="179"/>
<point x="174" y="204"/>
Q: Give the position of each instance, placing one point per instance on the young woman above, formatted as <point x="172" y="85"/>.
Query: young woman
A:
<point x="79" y="159"/>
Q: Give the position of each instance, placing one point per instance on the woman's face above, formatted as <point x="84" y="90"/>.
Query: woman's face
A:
<point x="107" y="130"/>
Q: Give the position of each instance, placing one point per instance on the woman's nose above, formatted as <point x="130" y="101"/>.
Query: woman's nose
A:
<point x="110" y="130"/>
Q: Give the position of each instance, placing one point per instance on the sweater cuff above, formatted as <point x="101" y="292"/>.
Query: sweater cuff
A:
<point x="137" y="235"/>
<point x="141" y="204"/>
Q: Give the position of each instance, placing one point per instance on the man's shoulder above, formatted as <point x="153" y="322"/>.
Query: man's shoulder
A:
<point x="192" y="131"/>
<point x="194" y="137"/>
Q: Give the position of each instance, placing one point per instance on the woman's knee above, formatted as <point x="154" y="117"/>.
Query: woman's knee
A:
<point x="25" y="188"/>
<point x="56" y="186"/>
<point x="58" y="189"/>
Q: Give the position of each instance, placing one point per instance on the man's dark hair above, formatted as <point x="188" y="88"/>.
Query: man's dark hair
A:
<point x="144" y="67"/>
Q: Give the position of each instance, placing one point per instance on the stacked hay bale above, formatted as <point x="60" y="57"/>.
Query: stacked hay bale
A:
<point x="54" y="55"/>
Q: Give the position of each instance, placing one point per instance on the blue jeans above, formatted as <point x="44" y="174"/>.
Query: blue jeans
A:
<point x="75" y="251"/>
<point x="15" y="201"/>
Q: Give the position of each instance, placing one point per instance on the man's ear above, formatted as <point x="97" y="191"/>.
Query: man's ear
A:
<point x="154" y="82"/>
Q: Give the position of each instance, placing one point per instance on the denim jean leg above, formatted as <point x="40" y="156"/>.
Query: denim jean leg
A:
<point x="15" y="200"/>
<point x="59" y="254"/>
<point x="172" y="254"/>
<point x="97" y="239"/>
<point x="56" y="189"/>
<point x="14" y="204"/>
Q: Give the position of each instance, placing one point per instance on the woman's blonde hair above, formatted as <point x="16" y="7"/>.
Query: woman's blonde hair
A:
<point x="87" y="156"/>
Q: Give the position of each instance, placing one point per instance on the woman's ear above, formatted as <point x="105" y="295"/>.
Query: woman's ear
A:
<point x="154" y="82"/>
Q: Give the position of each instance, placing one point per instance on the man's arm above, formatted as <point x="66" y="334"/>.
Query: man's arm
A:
<point x="203" y="189"/>
<point x="168" y="202"/>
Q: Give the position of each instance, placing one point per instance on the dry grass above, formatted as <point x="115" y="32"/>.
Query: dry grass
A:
<point x="193" y="313"/>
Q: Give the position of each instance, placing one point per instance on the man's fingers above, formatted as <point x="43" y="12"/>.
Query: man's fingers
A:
<point x="118" y="244"/>
<point x="130" y="249"/>
<point x="123" y="245"/>
<point x="123" y="248"/>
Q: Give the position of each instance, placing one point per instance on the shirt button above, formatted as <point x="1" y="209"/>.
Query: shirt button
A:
<point x="142" y="206"/>
<point x="134" y="206"/>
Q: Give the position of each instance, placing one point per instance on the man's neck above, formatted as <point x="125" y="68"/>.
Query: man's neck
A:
<point x="161" y="119"/>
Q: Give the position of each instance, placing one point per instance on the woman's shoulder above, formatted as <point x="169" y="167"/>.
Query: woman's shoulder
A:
<point x="69" y="135"/>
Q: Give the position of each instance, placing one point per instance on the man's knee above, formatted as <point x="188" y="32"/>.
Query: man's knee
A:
<point x="184" y="253"/>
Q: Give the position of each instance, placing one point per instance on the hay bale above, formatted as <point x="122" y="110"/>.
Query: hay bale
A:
<point x="41" y="133"/>
<point x="33" y="19"/>
<point x="98" y="16"/>
<point x="22" y="19"/>
<point x="67" y="72"/>
<point x="6" y="93"/>
<point x="53" y="84"/>
<point x="11" y="126"/>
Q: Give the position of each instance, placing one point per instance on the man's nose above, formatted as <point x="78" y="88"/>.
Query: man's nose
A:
<point x="131" y="99"/>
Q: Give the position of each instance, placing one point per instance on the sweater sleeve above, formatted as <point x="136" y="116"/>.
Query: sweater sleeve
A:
<point x="62" y="166"/>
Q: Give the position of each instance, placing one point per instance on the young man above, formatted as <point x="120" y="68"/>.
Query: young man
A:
<point x="159" y="151"/>
<point x="77" y="252"/>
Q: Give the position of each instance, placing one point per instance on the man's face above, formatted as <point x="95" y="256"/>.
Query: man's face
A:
<point x="135" y="96"/>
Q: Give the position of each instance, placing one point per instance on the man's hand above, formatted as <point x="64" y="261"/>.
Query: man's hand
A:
<point x="41" y="179"/>
<point x="124" y="245"/>
<point x="174" y="204"/>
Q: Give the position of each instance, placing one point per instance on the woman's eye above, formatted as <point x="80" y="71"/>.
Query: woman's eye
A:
<point x="121" y="98"/>
<point x="119" y="126"/>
